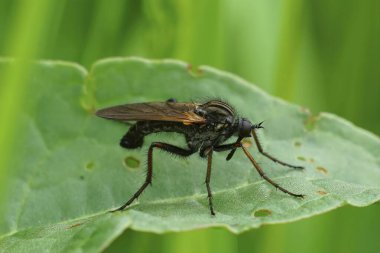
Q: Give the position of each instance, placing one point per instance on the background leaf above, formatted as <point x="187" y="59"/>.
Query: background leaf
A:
<point x="70" y="169"/>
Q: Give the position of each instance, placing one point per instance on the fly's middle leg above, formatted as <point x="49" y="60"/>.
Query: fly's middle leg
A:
<point x="148" y="180"/>
<point x="207" y="181"/>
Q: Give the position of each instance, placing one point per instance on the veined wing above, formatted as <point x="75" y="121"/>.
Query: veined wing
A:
<point x="155" y="111"/>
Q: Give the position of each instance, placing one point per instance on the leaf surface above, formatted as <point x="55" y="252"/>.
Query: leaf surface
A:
<point x="69" y="170"/>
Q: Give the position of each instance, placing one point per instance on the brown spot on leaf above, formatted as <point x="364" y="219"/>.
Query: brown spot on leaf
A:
<point x="74" y="225"/>
<point x="322" y="170"/>
<point x="310" y="121"/>
<point x="194" y="71"/>
<point x="320" y="192"/>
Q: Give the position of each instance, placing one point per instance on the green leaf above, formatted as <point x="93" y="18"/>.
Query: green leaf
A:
<point x="69" y="170"/>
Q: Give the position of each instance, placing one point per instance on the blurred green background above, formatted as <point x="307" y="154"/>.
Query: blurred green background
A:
<point x="324" y="55"/>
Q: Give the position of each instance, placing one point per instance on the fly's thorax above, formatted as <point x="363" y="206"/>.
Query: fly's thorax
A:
<point x="219" y="115"/>
<point x="220" y="124"/>
<point x="215" y="108"/>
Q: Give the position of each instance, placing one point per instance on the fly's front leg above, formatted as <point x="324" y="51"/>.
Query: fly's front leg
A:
<point x="230" y="146"/>
<point x="234" y="146"/>
<point x="207" y="181"/>
<point x="263" y="175"/>
<point x="259" y="147"/>
<point x="148" y="180"/>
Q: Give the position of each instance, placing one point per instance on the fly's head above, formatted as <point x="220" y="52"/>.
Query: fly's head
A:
<point x="244" y="128"/>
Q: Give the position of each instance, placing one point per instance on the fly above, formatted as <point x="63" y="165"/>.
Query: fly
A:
<point x="206" y="127"/>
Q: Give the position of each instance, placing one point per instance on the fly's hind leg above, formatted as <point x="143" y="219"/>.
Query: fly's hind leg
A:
<point x="148" y="180"/>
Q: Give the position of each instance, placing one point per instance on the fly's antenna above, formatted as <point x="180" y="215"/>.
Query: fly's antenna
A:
<point x="258" y="125"/>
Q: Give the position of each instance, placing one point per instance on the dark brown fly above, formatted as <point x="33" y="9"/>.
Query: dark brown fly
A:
<point x="205" y="126"/>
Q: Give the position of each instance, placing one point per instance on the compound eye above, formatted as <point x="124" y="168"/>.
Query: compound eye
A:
<point x="245" y="128"/>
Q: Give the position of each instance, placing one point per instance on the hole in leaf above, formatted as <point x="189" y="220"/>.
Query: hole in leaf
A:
<point x="297" y="144"/>
<point x="301" y="158"/>
<point x="90" y="165"/>
<point x="247" y="143"/>
<point x="131" y="162"/>
<point x="322" y="170"/>
<point x="322" y="192"/>
<point x="262" y="213"/>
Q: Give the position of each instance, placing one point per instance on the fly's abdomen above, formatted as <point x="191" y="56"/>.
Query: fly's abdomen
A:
<point x="134" y="138"/>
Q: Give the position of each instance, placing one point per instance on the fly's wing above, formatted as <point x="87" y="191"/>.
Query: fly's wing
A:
<point x="154" y="111"/>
